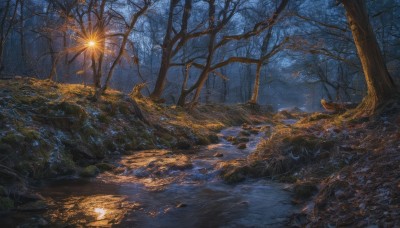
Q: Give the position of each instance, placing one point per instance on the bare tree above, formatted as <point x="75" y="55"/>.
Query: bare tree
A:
<point x="8" y="19"/>
<point x="381" y="87"/>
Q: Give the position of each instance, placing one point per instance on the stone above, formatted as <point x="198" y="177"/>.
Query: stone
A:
<point x="183" y="145"/>
<point x="218" y="155"/>
<point x="242" y="146"/>
<point x="181" y="205"/>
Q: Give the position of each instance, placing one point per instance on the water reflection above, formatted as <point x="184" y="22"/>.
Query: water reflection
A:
<point x="97" y="210"/>
<point x="101" y="213"/>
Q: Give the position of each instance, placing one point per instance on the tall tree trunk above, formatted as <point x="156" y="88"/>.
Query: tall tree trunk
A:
<point x="381" y="87"/>
<point x="166" y="55"/>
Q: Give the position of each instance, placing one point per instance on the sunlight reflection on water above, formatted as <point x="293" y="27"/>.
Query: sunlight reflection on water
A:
<point x="101" y="213"/>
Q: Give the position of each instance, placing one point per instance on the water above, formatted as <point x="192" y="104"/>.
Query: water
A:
<point x="160" y="188"/>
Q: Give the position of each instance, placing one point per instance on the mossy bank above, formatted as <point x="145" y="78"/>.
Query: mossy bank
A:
<point x="49" y="130"/>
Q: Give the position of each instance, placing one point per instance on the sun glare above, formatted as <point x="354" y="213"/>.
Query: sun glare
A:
<point x="91" y="43"/>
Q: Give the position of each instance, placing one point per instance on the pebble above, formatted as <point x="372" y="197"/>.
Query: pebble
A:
<point x="218" y="155"/>
<point x="181" y="205"/>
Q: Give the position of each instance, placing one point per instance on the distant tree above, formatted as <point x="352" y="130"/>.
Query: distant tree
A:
<point x="214" y="44"/>
<point x="8" y="19"/>
<point x="381" y="87"/>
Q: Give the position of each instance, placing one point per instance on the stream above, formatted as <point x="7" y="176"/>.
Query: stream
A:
<point x="159" y="188"/>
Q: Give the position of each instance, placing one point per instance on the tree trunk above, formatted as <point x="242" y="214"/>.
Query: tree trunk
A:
<point x="256" y="88"/>
<point x="162" y="75"/>
<point x="381" y="87"/>
<point x="166" y="55"/>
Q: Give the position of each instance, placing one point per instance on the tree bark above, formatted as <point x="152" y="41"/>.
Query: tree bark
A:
<point x="166" y="55"/>
<point x="256" y="88"/>
<point x="381" y="87"/>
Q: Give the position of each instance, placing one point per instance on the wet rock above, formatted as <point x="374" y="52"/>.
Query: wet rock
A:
<point x="89" y="171"/>
<point x="245" y="133"/>
<point x="218" y="155"/>
<point x="304" y="190"/>
<point x="230" y="138"/>
<point x="255" y="131"/>
<point x="78" y="150"/>
<point x="38" y="205"/>
<point x="183" y="144"/>
<point x="242" y="146"/>
<point x="203" y="170"/>
<point x="244" y="203"/>
<point x="246" y="126"/>
<point x="242" y="139"/>
<point x="181" y="205"/>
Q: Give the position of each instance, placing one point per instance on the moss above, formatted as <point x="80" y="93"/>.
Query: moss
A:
<point x="213" y="138"/>
<point x="30" y="100"/>
<point x="13" y="139"/>
<point x="121" y="138"/>
<point x="109" y="144"/>
<point x="109" y="107"/>
<point x="165" y="142"/>
<point x="124" y="109"/>
<point x="131" y="146"/>
<point x="89" y="171"/>
<point x="88" y="131"/>
<point x="104" y="118"/>
<point x="6" y="204"/>
<point x="72" y="109"/>
<point x="105" y="166"/>
<point x="65" y="165"/>
<point x="319" y="116"/>
<point x="30" y="134"/>
<point x="52" y="95"/>
<point x="202" y="140"/>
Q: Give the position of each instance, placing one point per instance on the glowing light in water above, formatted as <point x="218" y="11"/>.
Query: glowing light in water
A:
<point x="101" y="213"/>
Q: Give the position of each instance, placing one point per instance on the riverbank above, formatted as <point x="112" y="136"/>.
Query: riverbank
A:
<point x="48" y="130"/>
<point x="163" y="188"/>
<point x="344" y="172"/>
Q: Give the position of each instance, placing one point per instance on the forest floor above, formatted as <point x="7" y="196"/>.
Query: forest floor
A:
<point x="344" y="172"/>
